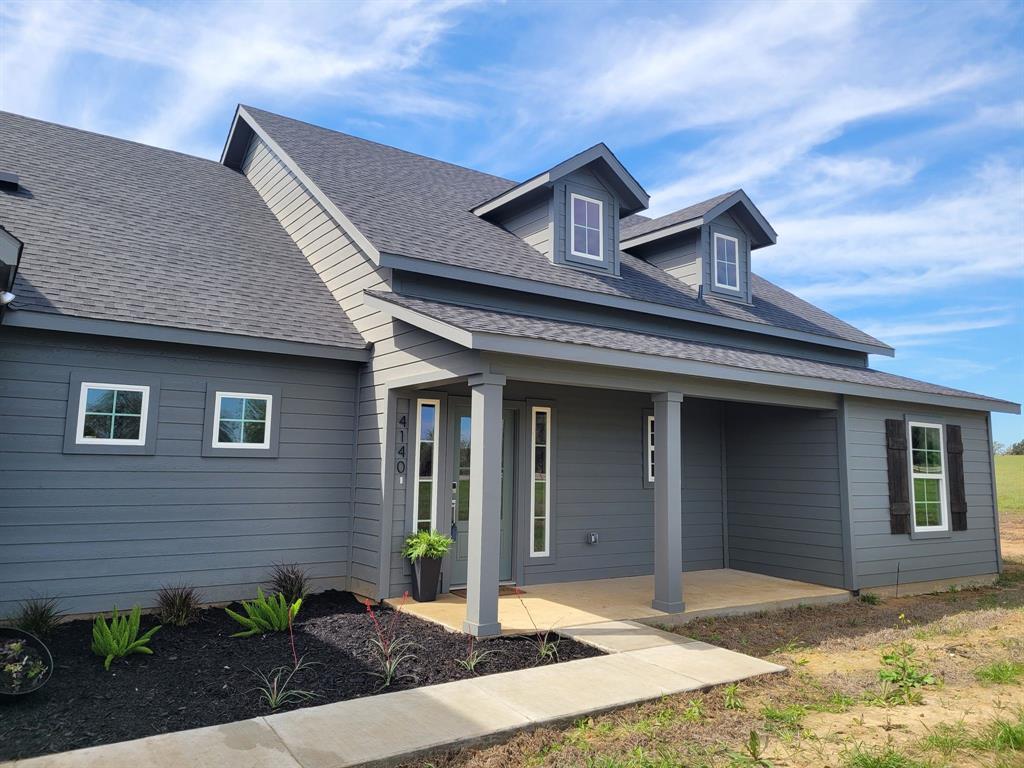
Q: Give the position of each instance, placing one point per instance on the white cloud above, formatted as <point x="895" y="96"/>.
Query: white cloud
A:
<point x="199" y="59"/>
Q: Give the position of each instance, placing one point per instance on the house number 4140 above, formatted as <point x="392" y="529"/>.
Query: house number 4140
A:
<point x="400" y="450"/>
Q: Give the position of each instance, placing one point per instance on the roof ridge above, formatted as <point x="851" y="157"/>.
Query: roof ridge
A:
<point x="390" y="147"/>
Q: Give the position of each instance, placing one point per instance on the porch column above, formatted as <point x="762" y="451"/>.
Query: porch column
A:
<point x="668" y="503"/>
<point x="484" y="506"/>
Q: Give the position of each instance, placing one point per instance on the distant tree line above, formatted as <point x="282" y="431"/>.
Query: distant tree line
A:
<point x="1017" y="449"/>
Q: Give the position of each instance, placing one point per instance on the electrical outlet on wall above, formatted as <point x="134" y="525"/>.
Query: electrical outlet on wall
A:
<point x="592" y="537"/>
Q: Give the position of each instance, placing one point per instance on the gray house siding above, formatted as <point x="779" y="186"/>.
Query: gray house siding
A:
<point x="533" y="224"/>
<point x="881" y="557"/>
<point x="399" y="350"/>
<point x="784" y="504"/>
<point x="96" y="530"/>
<point x="680" y="256"/>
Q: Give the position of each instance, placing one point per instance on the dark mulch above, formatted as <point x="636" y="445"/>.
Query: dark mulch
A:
<point x="199" y="675"/>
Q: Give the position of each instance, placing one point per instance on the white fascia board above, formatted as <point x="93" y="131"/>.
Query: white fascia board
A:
<point x="430" y="324"/>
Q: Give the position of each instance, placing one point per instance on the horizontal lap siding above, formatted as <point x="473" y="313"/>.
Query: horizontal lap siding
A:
<point x="879" y="554"/>
<point x="399" y="351"/>
<point x="95" y="530"/>
<point x="784" y="512"/>
<point x="598" y="475"/>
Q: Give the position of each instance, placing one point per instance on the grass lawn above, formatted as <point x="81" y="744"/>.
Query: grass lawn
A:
<point x="952" y="694"/>
<point x="1010" y="484"/>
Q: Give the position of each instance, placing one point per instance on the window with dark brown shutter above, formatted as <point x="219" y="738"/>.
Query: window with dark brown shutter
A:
<point x="955" y="462"/>
<point x="899" y="475"/>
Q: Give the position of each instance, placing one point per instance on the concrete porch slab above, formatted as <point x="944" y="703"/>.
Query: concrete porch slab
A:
<point x="580" y="603"/>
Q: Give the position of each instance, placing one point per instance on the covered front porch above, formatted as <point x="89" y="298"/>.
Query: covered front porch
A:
<point x="540" y="607"/>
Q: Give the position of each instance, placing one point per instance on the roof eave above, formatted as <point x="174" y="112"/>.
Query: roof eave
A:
<point x="768" y="234"/>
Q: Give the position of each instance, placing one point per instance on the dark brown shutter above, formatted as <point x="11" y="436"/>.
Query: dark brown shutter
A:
<point x="899" y="475"/>
<point x="955" y="473"/>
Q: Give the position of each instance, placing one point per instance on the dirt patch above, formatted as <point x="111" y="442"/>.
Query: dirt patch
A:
<point x="1011" y="528"/>
<point x="199" y="675"/>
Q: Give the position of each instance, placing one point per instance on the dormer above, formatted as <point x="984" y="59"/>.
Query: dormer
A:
<point x="705" y="245"/>
<point x="571" y="212"/>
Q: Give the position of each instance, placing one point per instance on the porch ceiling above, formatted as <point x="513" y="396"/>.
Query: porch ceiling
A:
<point x="571" y="604"/>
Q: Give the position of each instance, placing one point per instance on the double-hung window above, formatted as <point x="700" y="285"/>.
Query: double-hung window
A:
<point x="928" y="477"/>
<point x="587" y="232"/>
<point x="242" y="420"/>
<point x="424" y="493"/>
<point x="112" y="414"/>
<point x="540" y="495"/>
<point x="727" y="270"/>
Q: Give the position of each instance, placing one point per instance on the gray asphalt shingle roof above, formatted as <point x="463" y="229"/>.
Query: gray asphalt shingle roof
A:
<point x="116" y="230"/>
<point x="637" y="227"/>
<point x="415" y="206"/>
<point x="482" y="320"/>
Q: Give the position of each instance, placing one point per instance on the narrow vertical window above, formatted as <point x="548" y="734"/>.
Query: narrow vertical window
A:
<point x="928" y="477"/>
<point x="586" y="230"/>
<point x="650" y="449"/>
<point x="540" y="498"/>
<point x="425" y="489"/>
<point x="727" y="270"/>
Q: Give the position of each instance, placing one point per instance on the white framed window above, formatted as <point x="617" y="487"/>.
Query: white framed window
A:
<point x="424" y="491"/>
<point x="649" y="445"/>
<point x="112" y="414"/>
<point x="585" y="227"/>
<point x="928" y="477"/>
<point x="242" y="420"/>
<point x="540" y="496"/>
<point x="727" y="263"/>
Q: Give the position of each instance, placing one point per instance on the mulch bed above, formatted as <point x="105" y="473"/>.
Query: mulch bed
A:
<point x="199" y="675"/>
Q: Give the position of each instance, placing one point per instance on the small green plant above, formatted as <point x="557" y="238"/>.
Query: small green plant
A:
<point x="390" y="650"/>
<point x="947" y="738"/>
<point x="870" y="598"/>
<point x="883" y="757"/>
<point x="39" y="616"/>
<point x="431" y="545"/>
<point x="265" y="614"/>
<point x="694" y="711"/>
<point x="547" y="649"/>
<point x="178" y="604"/>
<point x="292" y="581"/>
<point x="836" y="704"/>
<point x="900" y="671"/>
<point x="21" y="667"/>
<point x="473" y="656"/>
<point x="754" y="749"/>
<point x="275" y="687"/>
<point x="1003" y="735"/>
<point x="732" y="697"/>
<point x="120" y="637"/>
<point x="1003" y="672"/>
<point x="787" y="718"/>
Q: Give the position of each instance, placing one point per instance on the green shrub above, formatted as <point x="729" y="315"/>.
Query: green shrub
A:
<point x="432" y="545"/>
<point x="292" y="581"/>
<point x="120" y="637"/>
<point x="39" y="615"/>
<point x="265" y="614"/>
<point x="871" y="598"/>
<point x="178" y="605"/>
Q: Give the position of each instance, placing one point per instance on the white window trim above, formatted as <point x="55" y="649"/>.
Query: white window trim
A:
<point x="600" y="229"/>
<point x="714" y="266"/>
<point x="546" y="552"/>
<point x="143" y="415"/>
<point x="943" y="492"/>
<point x="433" y="469"/>
<point x="649" y="447"/>
<point x="242" y="446"/>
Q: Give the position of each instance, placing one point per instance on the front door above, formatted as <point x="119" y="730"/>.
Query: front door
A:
<point x="462" y="439"/>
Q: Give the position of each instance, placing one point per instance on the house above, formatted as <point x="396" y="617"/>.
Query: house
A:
<point x="319" y="344"/>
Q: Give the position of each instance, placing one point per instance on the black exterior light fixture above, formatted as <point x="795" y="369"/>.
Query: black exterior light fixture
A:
<point x="10" y="257"/>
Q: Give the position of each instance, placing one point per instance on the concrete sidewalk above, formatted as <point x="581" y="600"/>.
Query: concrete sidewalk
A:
<point x="643" y="663"/>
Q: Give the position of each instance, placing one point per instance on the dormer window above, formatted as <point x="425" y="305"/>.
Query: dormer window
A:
<point x="727" y="271"/>
<point x="587" y="230"/>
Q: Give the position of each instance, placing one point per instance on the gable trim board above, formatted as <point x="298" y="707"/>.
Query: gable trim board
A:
<point x="620" y="358"/>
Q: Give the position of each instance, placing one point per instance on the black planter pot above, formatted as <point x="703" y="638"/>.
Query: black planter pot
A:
<point x="8" y="633"/>
<point x="426" y="575"/>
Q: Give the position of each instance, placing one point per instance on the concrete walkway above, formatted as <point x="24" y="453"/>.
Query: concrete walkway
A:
<point x="643" y="663"/>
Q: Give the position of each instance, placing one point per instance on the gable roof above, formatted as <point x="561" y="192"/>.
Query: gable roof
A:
<point x="645" y="230"/>
<point x="418" y="214"/>
<point x="124" y="232"/>
<point x="484" y="328"/>
<point x="632" y="196"/>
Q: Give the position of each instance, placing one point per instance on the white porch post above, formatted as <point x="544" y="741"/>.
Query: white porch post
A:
<point x="484" y="506"/>
<point x="668" y="502"/>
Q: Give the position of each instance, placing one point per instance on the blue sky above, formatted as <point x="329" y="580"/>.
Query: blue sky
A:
<point x="885" y="141"/>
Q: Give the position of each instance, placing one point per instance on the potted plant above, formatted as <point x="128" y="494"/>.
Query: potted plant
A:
<point x="25" y="663"/>
<point x="425" y="551"/>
